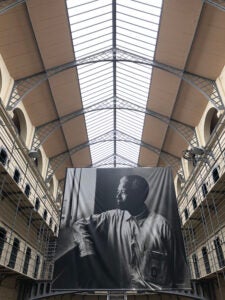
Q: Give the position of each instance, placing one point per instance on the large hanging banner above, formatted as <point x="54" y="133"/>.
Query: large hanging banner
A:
<point x="120" y="229"/>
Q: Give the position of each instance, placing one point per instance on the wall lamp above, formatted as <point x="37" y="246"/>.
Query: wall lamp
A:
<point x="33" y="154"/>
<point x="194" y="154"/>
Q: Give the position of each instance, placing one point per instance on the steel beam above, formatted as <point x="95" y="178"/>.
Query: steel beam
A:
<point x="7" y="5"/>
<point x="56" y="161"/>
<point x="44" y="131"/>
<point x="119" y="159"/>
<point x="205" y="86"/>
<point x="4" y="7"/>
<point x="186" y="293"/>
<point x="220" y="4"/>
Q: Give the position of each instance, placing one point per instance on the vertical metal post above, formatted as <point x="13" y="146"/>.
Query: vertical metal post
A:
<point x="47" y="251"/>
<point x="13" y="226"/>
<point x="2" y="186"/>
<point x="12" y="149"/>
<point x="211" y="222"/>
<point x="40" y="235"/>
<point x="25" y="175"/>
<point x="205" y="228"/>
<point x="188" y="234"/>
<point x="114" y="75"/>
<point x="211" y="195"/>
<point x="27" y="236"/>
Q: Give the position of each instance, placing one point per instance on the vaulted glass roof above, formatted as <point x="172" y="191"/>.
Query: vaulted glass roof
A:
<point x="98" y="27"/>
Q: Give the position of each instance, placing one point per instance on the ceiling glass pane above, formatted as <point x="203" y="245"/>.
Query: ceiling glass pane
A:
<point x="110" y="86"/>
<point x="108" y="162"/>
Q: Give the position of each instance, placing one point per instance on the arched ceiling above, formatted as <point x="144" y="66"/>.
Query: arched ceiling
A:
<point x="139" y="71"/>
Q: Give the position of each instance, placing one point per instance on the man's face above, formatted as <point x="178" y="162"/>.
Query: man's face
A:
<point x="124" y="195"/>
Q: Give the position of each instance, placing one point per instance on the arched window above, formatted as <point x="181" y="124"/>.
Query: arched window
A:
<point x="3" y="157"/>
<point x="186" y="213"/>
<point x="14" y="252"/>
<point x="26" y="261"/>
<point x="36" y="268"/>
<point x="20" y="123"/>
<point x="2" y="239"/>
<point x="215" y="175"/>
<point x="47" y="288"/>
<point x="35" y="289"/>
<point x="41" y="288"/>
<point x="219" y="252"/>
<point x="211" y="121"/>
<point x="214" y="121"/>
<point x="27" y="190"/>
<point x="16" y="175"/>
<point x="45" y="214"/>
<point x="204" y="190"/>
<point x="50" y="223"/>
<point x="206" y="260"/>
<point x="37" y="204"/>
<point x="195" y="263"/>
<point x="194" y="202"/>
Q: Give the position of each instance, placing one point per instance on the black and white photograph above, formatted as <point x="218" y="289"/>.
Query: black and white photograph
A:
<point x="120" y="229"/>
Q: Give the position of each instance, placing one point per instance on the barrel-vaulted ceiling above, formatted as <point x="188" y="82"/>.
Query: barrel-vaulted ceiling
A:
<point x="112" y="83"/>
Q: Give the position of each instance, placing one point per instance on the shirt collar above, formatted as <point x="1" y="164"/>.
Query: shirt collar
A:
<point x="141" y="215"/>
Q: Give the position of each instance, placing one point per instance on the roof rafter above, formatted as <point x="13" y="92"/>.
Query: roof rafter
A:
<point x="6" y="7"/>
<point x="44" y="131"/>
<point x="205" y="86"/>
<point x="56" y="161"/>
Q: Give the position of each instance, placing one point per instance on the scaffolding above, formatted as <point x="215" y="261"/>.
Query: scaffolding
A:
<point x="29" y="215"/>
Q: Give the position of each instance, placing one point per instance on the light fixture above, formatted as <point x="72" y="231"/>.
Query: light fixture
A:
<point x="190" y="154"/>
<point x="194" y="154"/>
<point x="197" y="151"/>
<point x="33" y="153"/>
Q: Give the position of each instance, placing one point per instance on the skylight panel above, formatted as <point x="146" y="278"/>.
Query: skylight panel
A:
<point x="86" y="77"/>
<point x="132" y="89"/>
<point x="108" y="162"/>
<point x="105" y="163"/>
<point x="142" y="15"/>
<point x="100" y="151"/>
<point x="106" y="25"/>
<point x="130" y="122"/>
<point x="91" y="24"/>
<point x="128" y="149"/>
<point x="99" y="122"/>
